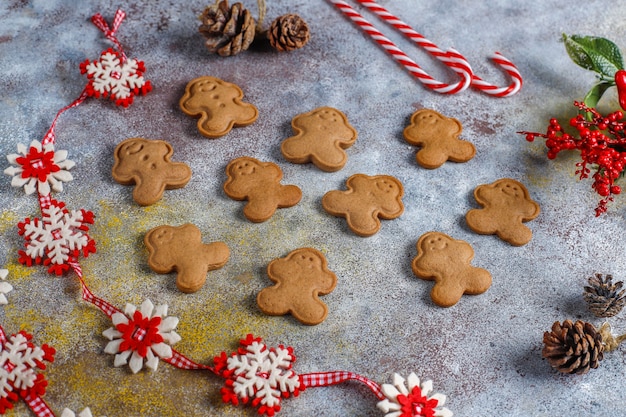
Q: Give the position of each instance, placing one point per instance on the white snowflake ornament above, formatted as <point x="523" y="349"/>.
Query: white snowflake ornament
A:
<point x="39" y="168"/>
<point x="141" y="336"/>
<point x="56" y="239"/>
<point x="5" y="287"/>
<point x="260" y="375"/>
<point x="409" y="398"/>
<point x="115" y="77"/>
<point x="20" y="361"/>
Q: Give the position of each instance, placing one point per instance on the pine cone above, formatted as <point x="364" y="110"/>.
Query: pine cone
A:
<point x="288" y="32"/>
<point x="573" y="348"/>
<point x="604" y="298"/>
<point x="229" y="30"/>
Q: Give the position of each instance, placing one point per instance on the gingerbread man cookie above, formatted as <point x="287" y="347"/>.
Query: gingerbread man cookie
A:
<point x="181" y="249"/>
<point x="447" y="262"/>
<point x="506" y="205"/>
<point x="146" y="163"/>
<point x="437" y="136"/>
<point x="367" y="200"/>
<point x="259" y="183"/>
<point x="321" y="137"/>
<point x="218" y="104"/>
<point x="299" y="278"/>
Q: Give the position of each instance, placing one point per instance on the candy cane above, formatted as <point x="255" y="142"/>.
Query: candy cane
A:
<point x="420" y="40"/>
<point x="451" y="58"/>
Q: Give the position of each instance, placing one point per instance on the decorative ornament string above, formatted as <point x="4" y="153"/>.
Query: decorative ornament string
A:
<point x="451" y="58"/>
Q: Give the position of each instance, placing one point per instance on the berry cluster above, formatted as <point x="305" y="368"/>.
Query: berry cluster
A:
<point x="601" y="141"/>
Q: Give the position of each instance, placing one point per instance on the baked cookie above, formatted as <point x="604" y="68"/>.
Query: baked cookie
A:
<point x="506" y="205"/>
<point x="366" y="200"/>
<point x="259" y="183"/>
<point x="218" y="104"/>
<point x="321" y="137"/>
<point x="181" y="249"/>
<point x="146" y="163"/>
<point x="447" y="262"/>
<point x="299" y="278"/>
<point x="437" y="136"/>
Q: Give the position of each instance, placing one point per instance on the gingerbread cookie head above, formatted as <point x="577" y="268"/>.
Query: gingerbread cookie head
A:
<point x="218" y="104"/>
<point x="259" y="183"/>
<point x="367" y="200"/>
<point x="437" y="135"/>
<point x="506" y="204"/>
<point x="447" y="262"/>
<point x="299" y="279"/>
<point x="181" y="249"/>
<point x="321" y="137"/>
<point x="146" y="163"/>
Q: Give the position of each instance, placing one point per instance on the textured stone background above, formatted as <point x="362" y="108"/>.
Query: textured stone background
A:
<point x="484" y="353"/>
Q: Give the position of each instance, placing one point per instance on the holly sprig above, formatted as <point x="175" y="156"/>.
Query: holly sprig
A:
<point x="603" y="57"/>
<point x="600" y="139"/>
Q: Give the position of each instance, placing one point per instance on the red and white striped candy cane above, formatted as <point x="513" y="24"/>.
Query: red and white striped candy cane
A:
<point x="477" y="82"/>
<point x="451" y="58"/>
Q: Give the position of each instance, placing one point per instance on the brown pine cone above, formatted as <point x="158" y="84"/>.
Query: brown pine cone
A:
<point x="604" y="298"/>
<point x="573" y="348"/>
<point x="229" y="30"/>
<point x="288" y="32"/>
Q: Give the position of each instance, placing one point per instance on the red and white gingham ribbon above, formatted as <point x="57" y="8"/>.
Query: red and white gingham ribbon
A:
<point x="38" y="406"/>
<point x="450" y="58"/>
<point x="324" y="379"/>
<point x="109" y="32"/>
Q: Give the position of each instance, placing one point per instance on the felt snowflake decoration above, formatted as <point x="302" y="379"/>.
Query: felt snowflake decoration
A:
<point x="140" y="336"/>
<point x="115" y="77"/>
<point x="56" y="239"/>
<point x="69" y="413"/>
<point x="20" y="361"/>
<point x="409" y="398"/>
<point x="39" y="168"/>
<point x="5" y="287"/>
<point x="258" y="374"/>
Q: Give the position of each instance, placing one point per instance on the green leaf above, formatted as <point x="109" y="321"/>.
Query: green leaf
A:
<point x="595" y="54"/>
<point x="594" y="95"/>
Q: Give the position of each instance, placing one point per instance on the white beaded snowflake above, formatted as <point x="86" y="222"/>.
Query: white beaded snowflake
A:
<point x="111" y="76"/>
<point x="19" y="362"/>
<point x="141" y="335"/>
<point x="57" y="236"/>
<point x="260" y="375"/>
<point x="39" y="168"/>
